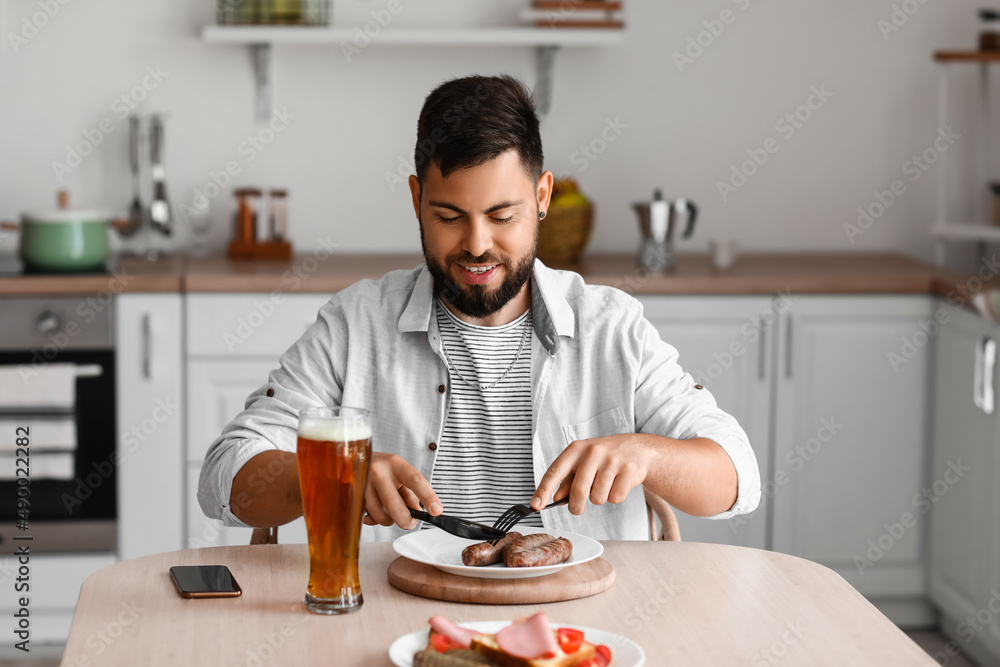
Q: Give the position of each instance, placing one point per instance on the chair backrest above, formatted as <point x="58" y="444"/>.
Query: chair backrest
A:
<point x="264" y="535"/>
<point x="658" y="508"/>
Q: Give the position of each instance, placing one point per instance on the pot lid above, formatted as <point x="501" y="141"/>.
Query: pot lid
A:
<point x="68" y="215"/>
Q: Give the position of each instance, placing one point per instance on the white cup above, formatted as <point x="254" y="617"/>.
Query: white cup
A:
<point x="723" y="253"/>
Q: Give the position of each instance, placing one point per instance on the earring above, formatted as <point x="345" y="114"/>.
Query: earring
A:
<point x="541" y="215"/>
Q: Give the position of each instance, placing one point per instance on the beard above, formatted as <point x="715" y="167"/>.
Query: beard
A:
<point x="480" y="301"/>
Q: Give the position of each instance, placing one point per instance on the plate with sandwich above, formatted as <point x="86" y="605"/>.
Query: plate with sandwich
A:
<point x="530" y="642"/>
<point x="532" y="552"/>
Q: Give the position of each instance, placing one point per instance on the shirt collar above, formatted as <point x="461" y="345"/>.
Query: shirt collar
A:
<point x="551" y="313"/>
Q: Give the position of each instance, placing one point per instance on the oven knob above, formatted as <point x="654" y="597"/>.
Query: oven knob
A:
<point x="47" y="322"/>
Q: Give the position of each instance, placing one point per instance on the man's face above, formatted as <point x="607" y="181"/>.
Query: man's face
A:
<point x="485" y="216"/>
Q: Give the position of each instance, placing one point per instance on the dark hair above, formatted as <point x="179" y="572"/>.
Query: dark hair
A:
<point x="470" y="121"/>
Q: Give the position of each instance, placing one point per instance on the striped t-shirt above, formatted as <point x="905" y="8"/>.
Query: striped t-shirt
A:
<point x="483" y="463"/>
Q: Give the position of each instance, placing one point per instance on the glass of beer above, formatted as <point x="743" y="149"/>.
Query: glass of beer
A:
<point x="334" y="454"/>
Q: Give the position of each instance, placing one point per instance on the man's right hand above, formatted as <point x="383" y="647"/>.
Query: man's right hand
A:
<point x="393" y="486"/>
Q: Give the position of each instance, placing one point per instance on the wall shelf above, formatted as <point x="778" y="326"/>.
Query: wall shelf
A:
<point x="546" y="41"/>
<point x="967" y="56"/>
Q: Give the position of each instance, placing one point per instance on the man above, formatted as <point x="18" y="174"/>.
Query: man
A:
<point x="492" y="379"/>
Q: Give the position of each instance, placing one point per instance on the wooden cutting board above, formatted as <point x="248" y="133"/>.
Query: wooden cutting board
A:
<point x="571" y="583"/>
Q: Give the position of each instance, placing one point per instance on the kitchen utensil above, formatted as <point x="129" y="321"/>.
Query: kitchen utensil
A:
<point x="626" y="653"/>
<point x="136" y="212"/>
<point x="656" y="251"/>
<point x="469" y="530"/>
<point x="444" y="551"/>
<point x="723" y="253"/>
<point x="159" y="207"/>
<point x="590" y="578"/>
<point x="513" y="516"/>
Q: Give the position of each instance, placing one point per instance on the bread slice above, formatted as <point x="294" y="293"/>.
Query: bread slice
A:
<point x="487" y="645"/>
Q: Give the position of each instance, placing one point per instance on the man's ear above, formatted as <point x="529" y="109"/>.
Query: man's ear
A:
<point x="415" y="194"/>
<point x="543" y="191"/>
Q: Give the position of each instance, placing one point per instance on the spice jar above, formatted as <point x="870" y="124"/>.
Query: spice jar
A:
<point x="245" y="217"/>
<point x="279" y="215"/>
<point x="989" y="38"/>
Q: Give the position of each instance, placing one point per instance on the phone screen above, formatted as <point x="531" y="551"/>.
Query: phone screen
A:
<point x="205" y="581"/>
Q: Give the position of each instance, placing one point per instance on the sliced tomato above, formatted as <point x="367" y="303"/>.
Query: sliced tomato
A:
<point x="570" y="640"/>
<point x="587" y="663"/>
<point x="442" y="643"/>
<point x="603" y="656"/>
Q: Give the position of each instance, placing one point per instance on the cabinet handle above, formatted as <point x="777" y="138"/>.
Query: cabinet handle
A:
<point x="989" y="361"/>
<point x="762" y="352"/>
<point x="788" y="347"/>
<point x="147" y="370"/>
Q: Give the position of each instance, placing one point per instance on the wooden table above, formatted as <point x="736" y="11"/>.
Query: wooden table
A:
<point x="685" y="603"/>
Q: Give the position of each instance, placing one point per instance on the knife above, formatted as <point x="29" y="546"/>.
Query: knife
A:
<point x="469" y="530"/>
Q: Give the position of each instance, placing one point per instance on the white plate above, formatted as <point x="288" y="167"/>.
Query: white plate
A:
<point x="624" y="652"/>
<point x="444" y="551"/>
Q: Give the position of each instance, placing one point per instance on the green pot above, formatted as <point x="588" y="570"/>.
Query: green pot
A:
<point x="65" y="241"/>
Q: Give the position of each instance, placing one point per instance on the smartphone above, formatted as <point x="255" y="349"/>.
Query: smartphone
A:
<point x="205" y="581"/>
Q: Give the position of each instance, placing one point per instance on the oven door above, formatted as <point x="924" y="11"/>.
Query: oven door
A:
<point x="73" y="495"/>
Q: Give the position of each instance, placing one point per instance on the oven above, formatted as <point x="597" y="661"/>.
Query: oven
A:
<point x="57" y="368"/>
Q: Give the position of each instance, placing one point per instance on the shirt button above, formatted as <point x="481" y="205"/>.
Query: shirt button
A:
<point x="698" y="386"/>
<point x="270" y="392"/>
<point x="442" y="388"/>
<point x="433" y="446"/>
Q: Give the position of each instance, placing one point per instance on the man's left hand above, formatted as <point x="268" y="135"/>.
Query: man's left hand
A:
<point x="597" y="469"/>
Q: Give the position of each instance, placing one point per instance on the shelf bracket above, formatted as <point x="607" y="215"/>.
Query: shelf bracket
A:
<point x="545" y="60"/>
<point x="264" y="97"/>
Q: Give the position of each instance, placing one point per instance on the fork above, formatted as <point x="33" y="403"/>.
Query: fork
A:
<point x="513" y="516"/>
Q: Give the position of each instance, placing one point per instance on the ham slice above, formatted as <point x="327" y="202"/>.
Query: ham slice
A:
<point x="461" y="636"/>
<point x="529" y="640"/>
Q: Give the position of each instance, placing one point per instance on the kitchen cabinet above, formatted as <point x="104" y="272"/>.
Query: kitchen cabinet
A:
<point x="234" y="341"/>
<point x="963" y="493"/>
<point x="851" y="442"/>
<point x="148" y="333"/>
<point x="723" y="343"/>
<point x="840" y="430"/>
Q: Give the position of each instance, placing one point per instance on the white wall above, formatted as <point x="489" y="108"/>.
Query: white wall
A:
<point x="354" y="120"/>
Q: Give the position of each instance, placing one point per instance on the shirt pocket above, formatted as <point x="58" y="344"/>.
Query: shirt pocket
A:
<point x="609" y="422"/>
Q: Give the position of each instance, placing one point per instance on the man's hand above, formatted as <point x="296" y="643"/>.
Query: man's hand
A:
<point x="393" y="486"/>
<point x="598" y="469"/>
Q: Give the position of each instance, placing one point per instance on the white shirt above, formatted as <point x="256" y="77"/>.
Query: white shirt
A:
<point x="598" y="368"/>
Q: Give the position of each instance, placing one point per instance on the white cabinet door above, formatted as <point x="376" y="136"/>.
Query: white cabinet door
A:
<point x="723" y="342"/>
<point x="217" y="392"/>
<point x="963" y="493"/>
<point x="151" y="448"/>
<point x="851" y="438"/>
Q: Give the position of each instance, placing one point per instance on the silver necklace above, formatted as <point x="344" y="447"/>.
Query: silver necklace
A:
<point x="486" y="387"/>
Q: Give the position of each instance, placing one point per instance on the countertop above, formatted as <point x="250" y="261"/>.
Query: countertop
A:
<point x="800" y="273"/>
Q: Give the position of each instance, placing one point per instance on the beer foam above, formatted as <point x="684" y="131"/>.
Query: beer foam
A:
<point x="334" y="431"/>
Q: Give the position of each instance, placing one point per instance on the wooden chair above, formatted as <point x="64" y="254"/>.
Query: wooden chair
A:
<point x="656" y="508"/>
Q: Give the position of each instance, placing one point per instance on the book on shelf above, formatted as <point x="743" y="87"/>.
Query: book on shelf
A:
<point x="574" y="14"/>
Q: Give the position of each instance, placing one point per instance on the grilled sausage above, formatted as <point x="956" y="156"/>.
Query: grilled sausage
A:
<point x="484" y="553"/>
<point x="542" y="550"/>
